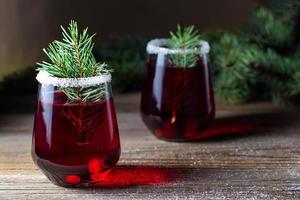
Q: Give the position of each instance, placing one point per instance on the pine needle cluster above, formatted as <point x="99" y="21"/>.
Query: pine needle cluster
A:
<point x="260" y="62"/>
<point x="73" y="58"/>
<point x="184" y="38"/>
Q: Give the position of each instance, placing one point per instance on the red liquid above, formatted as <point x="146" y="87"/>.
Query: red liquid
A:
<point x="177" y="103"/>
<point x="75" y="144"/>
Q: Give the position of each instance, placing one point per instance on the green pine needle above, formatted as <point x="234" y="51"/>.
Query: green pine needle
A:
<point x="73" y="58"/>
<point x="271" y="30"/>
<point x="186" y="38"/>
<point x="262" y="61"/>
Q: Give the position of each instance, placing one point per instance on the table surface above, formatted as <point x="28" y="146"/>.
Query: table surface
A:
<point x="256" y="156"/>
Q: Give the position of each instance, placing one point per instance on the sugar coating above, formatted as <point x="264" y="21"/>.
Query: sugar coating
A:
<point x="156" y="46"/>
<point x="45" y="78"/>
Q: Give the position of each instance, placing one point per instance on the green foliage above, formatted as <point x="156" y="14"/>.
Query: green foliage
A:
<point x="21" y="82"/>
<point x="261" y="61"/>
<point x="128" y="56"/>
<point x="73" y="58"/>
<point x="186" y="38"/>
<point x="271" y="30"/>
<point x="232" y="78"/>
<point x="282" y="7"/>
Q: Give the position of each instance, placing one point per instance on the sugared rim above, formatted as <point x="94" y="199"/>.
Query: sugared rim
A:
<point x="45" y="78"/>
<point x="156" y="46"/>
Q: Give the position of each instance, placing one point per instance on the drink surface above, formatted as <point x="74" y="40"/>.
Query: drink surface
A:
<point x="177" y="103"/>
<point x="75" y="143"/>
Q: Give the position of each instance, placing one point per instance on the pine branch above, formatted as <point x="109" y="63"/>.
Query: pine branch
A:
<point x="73" y="58"/>
<point x="233" y="79"/>
<point x="186" y="38"/>
<point x="261" y="62"/>
<point x="284" y="7"/>
<point x="272" y="31"/>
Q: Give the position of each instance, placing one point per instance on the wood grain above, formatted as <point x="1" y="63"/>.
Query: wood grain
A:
<point x="263" y="163"/>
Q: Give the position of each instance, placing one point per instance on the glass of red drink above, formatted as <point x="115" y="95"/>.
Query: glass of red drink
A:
<point x="75" y="143"/>
<point x="177" y="102"/>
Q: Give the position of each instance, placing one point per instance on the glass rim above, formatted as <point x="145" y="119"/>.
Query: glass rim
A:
<point x="45" y="78"/>
<point x="155" y="46"/>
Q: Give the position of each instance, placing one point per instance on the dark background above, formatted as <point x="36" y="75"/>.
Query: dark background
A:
<point x="123" y="29"/>
<point x="29" y="25"/>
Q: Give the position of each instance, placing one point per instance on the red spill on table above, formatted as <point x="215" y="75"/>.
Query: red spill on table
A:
<point x="73" y="179"/>
<point x="125" y="176"/>
<point x="222" y="128"/>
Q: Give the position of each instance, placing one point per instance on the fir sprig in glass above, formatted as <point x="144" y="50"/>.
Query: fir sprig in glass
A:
<point x="184" y="38"/>
<point x="73" y="58"/>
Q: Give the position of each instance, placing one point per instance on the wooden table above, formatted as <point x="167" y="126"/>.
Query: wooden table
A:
<point x="261" y="160"/>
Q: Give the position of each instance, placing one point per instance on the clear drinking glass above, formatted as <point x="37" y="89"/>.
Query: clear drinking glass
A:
<point x="177" y="102"/>
<point x="75" y="142"/>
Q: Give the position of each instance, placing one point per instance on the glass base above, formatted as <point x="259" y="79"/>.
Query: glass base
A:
<point x="178" y="140"/>
<point x="189" y="130"/>
<point x="86" y="175"/>
<point x="75" y="181"/>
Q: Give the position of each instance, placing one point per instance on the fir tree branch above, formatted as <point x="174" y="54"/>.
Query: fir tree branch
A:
<point x="261" y="61"/>
<point x="73" y="58"/>
<point x="186" y="38"/>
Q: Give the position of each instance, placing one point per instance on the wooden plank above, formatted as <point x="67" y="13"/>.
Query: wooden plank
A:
<point x="263" y="164"/>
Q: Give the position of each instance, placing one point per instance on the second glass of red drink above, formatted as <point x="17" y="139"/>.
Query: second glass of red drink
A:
<point x="177" y="99"/>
